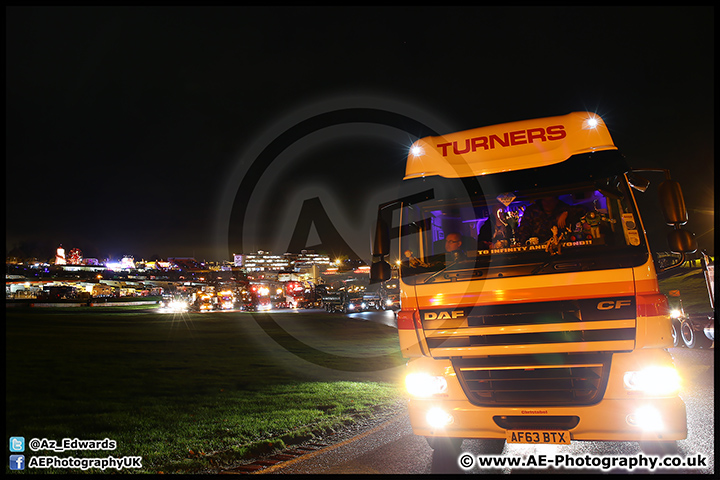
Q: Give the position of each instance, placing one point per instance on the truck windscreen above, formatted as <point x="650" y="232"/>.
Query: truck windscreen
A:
<point x="487" y="232"/>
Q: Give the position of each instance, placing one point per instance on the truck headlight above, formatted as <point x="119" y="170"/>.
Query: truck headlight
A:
<point x="425" y="385"/>
<point x="438" y="418"/>
<point x="653" y="381"/>
<point x="648" y="418"/>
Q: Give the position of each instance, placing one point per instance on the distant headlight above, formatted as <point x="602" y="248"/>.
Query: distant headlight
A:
<point x="676" y="313"/>
<point x="653" y="381"/>
<point x="178" y="306"/>
<point x="425" y="385"/>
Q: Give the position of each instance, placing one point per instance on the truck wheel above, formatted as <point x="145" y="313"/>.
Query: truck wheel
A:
<point x="677" y="338"/>
<point x="692" y="338"/>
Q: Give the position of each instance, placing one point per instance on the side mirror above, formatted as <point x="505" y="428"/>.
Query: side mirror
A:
<point x="672" y="203"/>
<point x="380" y="271"/>
<point x="381" y="246"/>
<point x="682" y="241"/>
<point x="673" y="208"/>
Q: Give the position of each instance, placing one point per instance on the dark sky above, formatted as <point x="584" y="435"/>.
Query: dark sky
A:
<point x="129" y="130"/>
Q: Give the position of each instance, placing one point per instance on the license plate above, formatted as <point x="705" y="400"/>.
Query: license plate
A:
<point x="558" y="437"/>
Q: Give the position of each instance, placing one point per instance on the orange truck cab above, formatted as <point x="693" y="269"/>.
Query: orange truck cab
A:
<point x="546" y="324"/>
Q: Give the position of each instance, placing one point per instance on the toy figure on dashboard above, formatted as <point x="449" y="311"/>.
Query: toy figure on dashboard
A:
<point x="593" y="220"/>
<point x="554" y="245"/>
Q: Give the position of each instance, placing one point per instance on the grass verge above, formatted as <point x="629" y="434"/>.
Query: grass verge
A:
<point x="194" y="392"/>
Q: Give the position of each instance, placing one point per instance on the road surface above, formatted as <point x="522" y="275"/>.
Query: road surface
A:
<point x="390" y="447"/>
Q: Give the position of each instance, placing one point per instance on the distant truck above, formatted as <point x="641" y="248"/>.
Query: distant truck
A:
<point x="302" y="296"/>
<point x="372" y="301"/>
<point x="390" y="295"/>
<point x="696" y="329"/>
<point x="342" y="301"/>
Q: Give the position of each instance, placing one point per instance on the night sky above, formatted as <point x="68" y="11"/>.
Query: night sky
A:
<point x="130" y="130"/>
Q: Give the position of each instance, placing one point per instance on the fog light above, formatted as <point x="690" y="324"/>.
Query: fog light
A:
<point x="438" y="418"/>
<point x="653" y="381"/>
<point x="425" y="385"/>
<point x="647" y="418"/>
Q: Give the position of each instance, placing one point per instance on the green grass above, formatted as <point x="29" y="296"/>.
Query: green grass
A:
<point x="193" y="392"/>
<point x="197" y="392"/>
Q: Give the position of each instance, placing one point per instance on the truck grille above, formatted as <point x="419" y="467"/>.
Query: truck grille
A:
<point x="564" y="326"/>
<point x="532" y="380"/>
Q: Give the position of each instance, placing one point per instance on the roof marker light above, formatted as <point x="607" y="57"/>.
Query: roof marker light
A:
<point x="417" y="151"/>
<point x="590" y="123"/>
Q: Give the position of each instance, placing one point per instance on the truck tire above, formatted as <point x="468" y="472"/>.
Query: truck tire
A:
<point x="693" y="338"/>
<point x="676" y="336"/>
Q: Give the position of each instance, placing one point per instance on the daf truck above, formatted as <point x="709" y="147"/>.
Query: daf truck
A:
<point x="546" y="326"/>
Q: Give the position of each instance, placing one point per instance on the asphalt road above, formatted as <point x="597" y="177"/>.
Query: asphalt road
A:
<point x="390" y="447"/>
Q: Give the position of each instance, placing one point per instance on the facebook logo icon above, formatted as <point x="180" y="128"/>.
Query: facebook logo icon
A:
<point x="17" y="462"/>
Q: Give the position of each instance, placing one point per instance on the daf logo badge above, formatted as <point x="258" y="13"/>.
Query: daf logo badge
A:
<point x="443" y="315"/>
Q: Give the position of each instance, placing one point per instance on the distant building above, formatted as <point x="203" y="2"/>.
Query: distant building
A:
<point x="267" y="262"/>
<point x="306" y="259"/>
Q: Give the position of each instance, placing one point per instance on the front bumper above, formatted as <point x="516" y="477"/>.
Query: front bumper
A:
<point x="609" y="420"/>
